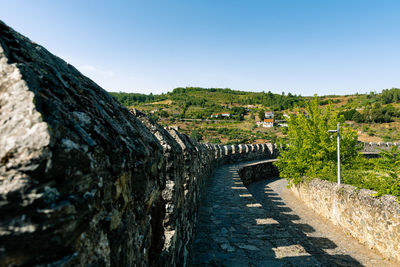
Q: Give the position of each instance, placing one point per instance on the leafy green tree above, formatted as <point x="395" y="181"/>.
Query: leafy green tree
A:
<point x="261" y="115"/>
<point x="164" y="114"/>
<point x="311" y="151"/>
<point x="278" y="116"/>
<point x="348" y="114"/>
<point x="358" y="117"/>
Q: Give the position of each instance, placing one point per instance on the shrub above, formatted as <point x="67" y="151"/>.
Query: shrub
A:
<point x="387" y="138"/>
<point x="379" y="174"/>
<point x="261" y="114"/>
<point x="215" y="141"/>
<point x="311" y="151"/>
<point x="348" y="114"/>
<point x="195" y="135"/>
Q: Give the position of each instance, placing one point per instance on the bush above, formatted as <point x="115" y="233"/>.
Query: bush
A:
<point x="312" y="154"/>
<point x="195" y="135"/>
<point x="348" y="114"/>
<point x="261" y="115"/>
<point x="379" y="174"/>
<point x="215" y="141"/>
<point x="358" y="117"/>
<point x="387" y="138"/>
<point x="163" y="114"/>
<point x="377" y="114"/>
<point x="311" y="151"/>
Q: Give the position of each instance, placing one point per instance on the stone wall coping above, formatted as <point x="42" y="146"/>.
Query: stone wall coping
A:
<point x="259" y="162"/>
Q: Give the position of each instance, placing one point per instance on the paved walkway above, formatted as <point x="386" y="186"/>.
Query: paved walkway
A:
<point x="267" y="226"/>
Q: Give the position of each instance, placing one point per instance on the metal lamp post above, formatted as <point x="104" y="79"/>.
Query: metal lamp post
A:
<point x="338" y="151"/>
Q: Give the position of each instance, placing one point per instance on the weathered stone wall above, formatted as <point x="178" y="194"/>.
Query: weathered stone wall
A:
<point x="84" y="181"/>
<point x="377" y="147"/>
<point x="258" y="171"/>
<point x="373" y="221"/>
<point x="80" y="176"/>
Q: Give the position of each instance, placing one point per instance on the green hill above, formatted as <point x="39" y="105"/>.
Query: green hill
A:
<point x="194" y="109"/>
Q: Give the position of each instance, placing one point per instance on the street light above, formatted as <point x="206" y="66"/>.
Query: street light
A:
<point x="338" y="151"/>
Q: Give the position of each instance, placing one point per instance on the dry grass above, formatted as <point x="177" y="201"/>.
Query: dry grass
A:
<point x="164" y="102"/>
<point x="379" y="130"/>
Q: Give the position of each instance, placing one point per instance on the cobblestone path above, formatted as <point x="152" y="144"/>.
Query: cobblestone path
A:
<point x="266" y="226"/>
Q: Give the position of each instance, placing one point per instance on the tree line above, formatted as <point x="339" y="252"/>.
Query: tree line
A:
<point x="371" y="114"/>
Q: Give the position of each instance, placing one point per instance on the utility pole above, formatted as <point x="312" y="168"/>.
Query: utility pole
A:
<point x="338" y="150"/>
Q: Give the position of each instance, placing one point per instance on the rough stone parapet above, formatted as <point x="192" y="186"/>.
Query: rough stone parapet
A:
<point x="373" y="221"/>
<point x="85" y="181"/>
<point x="258" y="171"/>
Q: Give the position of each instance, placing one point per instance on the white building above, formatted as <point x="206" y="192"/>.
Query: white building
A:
<point x="221" y="115"/>
<point x="269" y="115"/>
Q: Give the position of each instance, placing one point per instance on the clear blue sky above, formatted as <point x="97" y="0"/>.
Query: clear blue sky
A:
<point x="298" y="46"/>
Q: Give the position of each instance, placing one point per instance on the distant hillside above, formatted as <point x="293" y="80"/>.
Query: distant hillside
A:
<point x="213" y="98"/>
<point x="193" y="110"/>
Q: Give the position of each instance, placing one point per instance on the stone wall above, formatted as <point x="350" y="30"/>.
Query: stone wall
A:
<point x="373" y="221"/>
<point x="188" y="165"/>
<point x="258" y="171"/>
<point x="372" y="147"/>
<point x="83" y="180"/>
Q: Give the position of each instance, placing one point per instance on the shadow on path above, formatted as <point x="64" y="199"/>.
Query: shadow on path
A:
<point x="241" y="227"/>
<point x="315" y="247"/>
